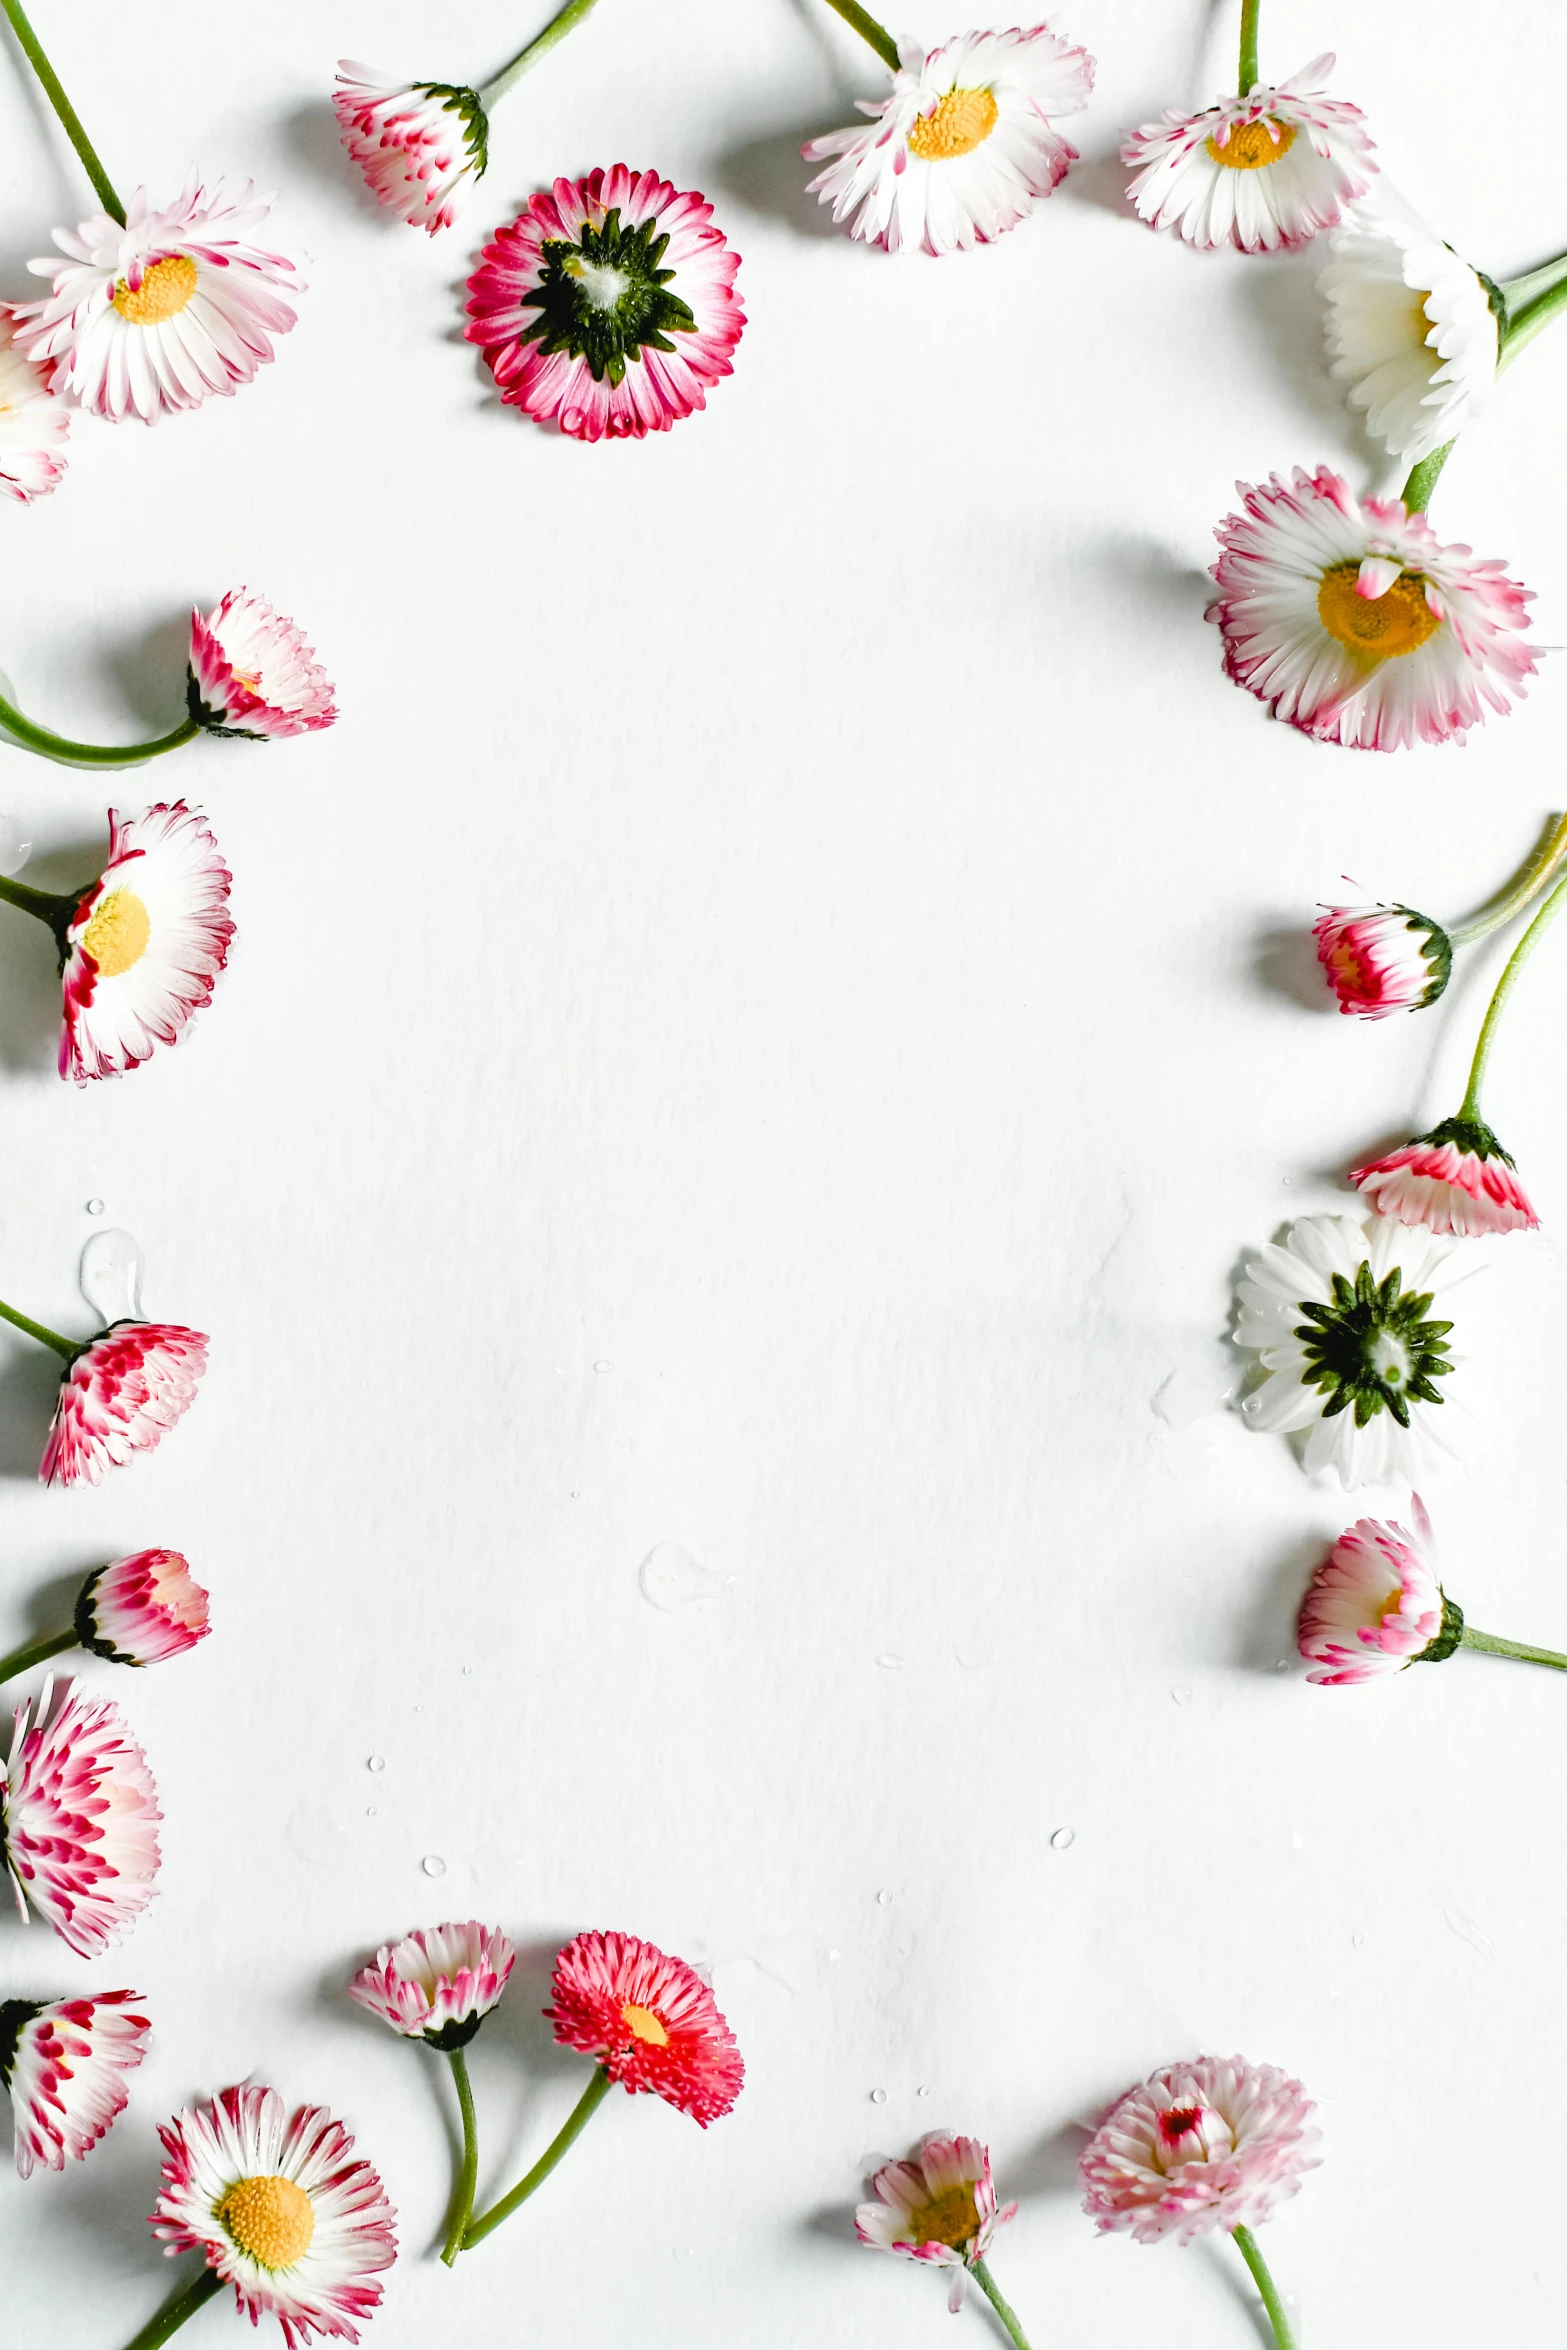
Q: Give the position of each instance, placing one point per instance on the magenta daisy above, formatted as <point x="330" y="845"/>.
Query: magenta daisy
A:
<point x="142" y="1610"/>
<point x="121" y="1394"/>
<point x="1270" y="169"/>
<point x="940" y="2208"/>
<point x="280" y="2208"/>
<point x="1375" y="1605"/>
<point x="962" y="147"/>
<point x="253" y="674"/>
<point x="650" y="2020"/>
<point x="1382" y="959"/>
<point x="1455" y="1179"/>
<point x="417" y="143"/>
<point x="1215" y="2143"/>
<point x="78" y="1817"/>
<point x="608" y="305"/>
<point x="64" y="2062"/>
<point x="33" y="422"/>
<point x="437" y="1984"/>
<point x="1349" y="618"/>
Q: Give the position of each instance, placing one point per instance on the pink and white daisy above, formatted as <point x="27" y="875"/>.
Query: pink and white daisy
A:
<point x="1412" y="332"/>
<point x="417" y="143"/>
<point x="78" y="1817"/>
<point x="33" y="422"/>
<point x="142" y="1610"/>
<point x="144" y="947"/>
<point x="437" y="1984"/>
<point x="1349" y="618"/>
<point x="1375" y="1604"/>
<point x="1455" y="1179"/>
<point x="940" y="2208"/>
<point x="1215" y="2143"/>
<point x="281" y="2210"/>
<point x="155" y="316"/>
<point x="962" y="147"/>
<point x="650" y="2020"/>
<point x="64" y="2062"/>
<point x="253" y="674"/>
<point x="608" y="304"/>
<point x="121" y="1393"/>
<point x="1382" y="959"/>
<point x="1268" y="171"/>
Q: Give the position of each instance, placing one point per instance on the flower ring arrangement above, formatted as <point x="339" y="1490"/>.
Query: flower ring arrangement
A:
<point x="1376" y="1605"/>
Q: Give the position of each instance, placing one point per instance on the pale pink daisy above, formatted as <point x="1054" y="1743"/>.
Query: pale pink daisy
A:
<point x="417" y="143"/>
<point x="142" y="1610"/>
<point x="64" y="2062"/>
<point x="1382" y="959"/>
<point x="963" y="145"/>
<point x="1375" y="1604"/>
<point x="155" y="316"/>
<point x="1350" y="618"/>
<point x="940" y="2208"/>
<point x="78" y="1817"/>
<point x="144" y="945"/>
<point x="1455" y="1179"/>
<point x="1266" y="171"/>
<point x="1214" y="2143"/>
<point x="649" y="2019"/>
<point x="608" y="304"/>
<point x="120" y="1394"/>
<point x="280" y="2208"/>
<point x="253" y="674"/>
<point x="33" y="421"/>
<point x="437" y="1984"/>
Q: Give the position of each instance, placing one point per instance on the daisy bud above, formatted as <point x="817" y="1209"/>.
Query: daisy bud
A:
<point x="142" y="1610"/>
<point x="33" y="423"/>
<point x="1382" y="959"/>
<point x="252" y="673"/>
<point x="64" y="2062"/>
<point x="120" y="1394"/>
<point x="1375" y="1605"/>
<point x="78" y="1817"/>
<point x="438" y="1984"/>
<point x="1216" y="2143"/>
<point x="650" y="2020"/>
<point x="1266" y="171"/>
<point x="940" y="2208"/>
<point x="415" y="142"/>
<point x="1455" y="1179"/>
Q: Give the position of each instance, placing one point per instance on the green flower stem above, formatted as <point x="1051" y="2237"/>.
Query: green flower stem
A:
<point x="1471" y="1639"/>
<point x="576" y="2122"/>
<point x="495" y="89"/>
<point x="174" y="2313"/>
<point x="46" y="905"/>
<point x="22" y="1660"/>
<point x="1516" y="291"/>
<point x="1282" y="2329"/>
<point x="59" y="746"/>
<point x="1523" y="325"/>
<point x="64" y="109"/>
<point x="1249" y="77"/>
<point x="868" y="29"/>
<point x="1470" y="1107"/>
<point x="999" y="2303"/>
<point x="468" y="2175"/>
<point x="1416" y="492"/>
<point x="1536" y="874"/>
<point x="62" y="1346"/>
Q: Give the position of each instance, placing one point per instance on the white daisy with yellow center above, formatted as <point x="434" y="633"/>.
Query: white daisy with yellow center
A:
<point x="1412" y="333"/>
<point x="146" y="942"/>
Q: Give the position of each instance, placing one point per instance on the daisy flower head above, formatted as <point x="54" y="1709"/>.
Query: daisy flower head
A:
<point x="1455" y="1179"/>
<point x="78" y="1817"/>
<point x="64" y="2062"/>
<point x="156" y="316"/>
<point x="1266" y="172"/>
<point x="33" y="422"/>
<point x="281" y="2208"/>
<point x="144" y="946"/>
<point x="417" y="143"/>
<point x="963" y="145"/>
<point x="437" y="1984"/>
<point x="252" y="673"/>
<point x="1413" y="332"/>
<point x="1376" y="1605"/>
<point x="1345" y="1320"/>
<point x="1351" y="620"/>
<point x="940" y="2208"/>
<point x="650" y="2020"/>
<point x="1211" y="2144"/>
<point x="608" y="304"/>
<point x="142" y="1610"/>
<point x="1382" y="959"/>
<point x="120" y="1394"/>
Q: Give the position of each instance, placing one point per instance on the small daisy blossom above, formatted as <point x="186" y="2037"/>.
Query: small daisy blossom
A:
<point x="1382" y="959"/>
<point x="940" y="2208"/>
<point x="1351" y="619"/>
<point x="144" y="947"/>
<point x="608" y="304"/>
<point x="120" y="1394"/>
<point x="650" y="2020"/>
<point x="1375" y="1604"/>
<point x="280" y="2209"/>
<point x="252" y="673"/>
<point x="1268" y="171"/>
<point x="155" y="316"/>
<point x="963" y="145"/>
<point x="64" y="2062"/>
<point x="1342" y="1317"/>
<point x="1455" y="1179"/>
<point x="78" y="1817"/>
<point x="33" y="422"/>
<point x="1412" y="332"/>
<point x="1215" y="2143"/>
<point x="437" y="1984"/>
<point x="142" y="1610"/>
<point x="416" y="142"/>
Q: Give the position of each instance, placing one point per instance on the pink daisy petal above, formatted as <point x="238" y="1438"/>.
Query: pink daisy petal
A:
<point x="438" y="1983"/>
<point x="253" y="674"/>
<point x="1455" y="1179"/>
<point x="78" y="1817"/>
<point x="417" y="143"/>
<point x="144" y="947"/>
<point x="64" y="2062"/>
<point x="1374" y="1606"/>
<point x="1267" y="172"/>
<point x="940" y="2208"/>
<point x="1382" y="959"/>
<point x="1215" y="2143"/>
<point x="120" y="1394"/>
<point x="33" y="421"/>
<point x="649" y="2019"/>
<point x="142" y="1610"/>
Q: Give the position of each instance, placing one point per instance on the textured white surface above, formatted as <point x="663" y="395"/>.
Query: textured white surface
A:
<point x="766" y="1028"/>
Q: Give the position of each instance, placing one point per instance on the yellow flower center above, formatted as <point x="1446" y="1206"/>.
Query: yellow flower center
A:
<point x="644" y="2024"/>
<point x="956" y="125"/>
<point x="117" y="935"/>
<point x="270" y="2219"/>
<point x="1378" y="628"/>
<point x="164" y="290"/>
<point x="1251" y="146"/>
<point x="950" y="2218"/>
<point x="1393" y="1602"/>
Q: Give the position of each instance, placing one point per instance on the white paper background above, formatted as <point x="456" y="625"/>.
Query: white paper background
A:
<point x="767" y="1027"/>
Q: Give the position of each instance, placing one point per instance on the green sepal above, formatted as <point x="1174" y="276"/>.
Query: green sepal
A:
<point x="642" y="317"/>
<point x="210" y="720"/>
<point x="1436" y="954"/>
<point x="1451" y="1636"/>
<point x="1471" y="1135"/>
<point x="467" y="103"/>
<point x="456" y="2034"/>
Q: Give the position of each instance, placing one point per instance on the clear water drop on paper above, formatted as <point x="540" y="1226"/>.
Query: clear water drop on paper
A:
<point x="1062" y="1839"/>
<point x="433" y="1865"/>
<point x="110" y="1276"/>
<point x="14" y="849"/>
<point x="376" y="1762"/>
<point x="878" y="2097"/>
<point x="890" y="1661"/>
<point x="95" y="1207"/>
<point x="882" y="1898"/>
<point x="671" y="1578"/>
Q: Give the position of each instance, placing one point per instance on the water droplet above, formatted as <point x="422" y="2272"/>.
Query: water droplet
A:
<point x="669" y="1578"/>
<point x="1182" y="1696"/>
<point x="878" y="2097"/>
<point x="110" y="1276"/>
<point x="467" y="1672"/>
<point x="376" y="1762"/>
<point x="890" y="1661"/>
<point x="1297" y="1841"/>
<point x="370" y="1811"/>
<point x="95" y="1207"/>
<point x="1191" y="1391"/>
<point x="1359" y="1940"/>
<point x="433" y="1865"/>
<point x="601" y="1368"/>
<point x="1283" y="1665"/>
<point x="14" y="850"/>
<point x="571" y="420"/>
<point x="1062" y="1838"/>
<point x="974" y="1660"/>
<point x="882" y="1898"/>
<point x="922" y="2092"/>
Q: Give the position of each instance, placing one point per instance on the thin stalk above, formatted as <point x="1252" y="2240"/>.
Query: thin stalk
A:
<point x="1516" y="291"/>
<point x="60" y="746"/>
<point x="1416" y="492"/>
<point x="69" y="117"/>
<point x="998" y="2302"/>
<point x="468" y="2175"/>
<point x="495" y="89"/>
<point x="62" y="1346"/>
<point x="1523" y="325"/>
<point x="1487" y="1641"/>
<point x="1536" y="874"/>
<point x="1283" y="2332"/>
<point x="576" y="2122"/>
<point x="22" y="1660"/>
<point x="1470" y="1107"/>
<point x="1248" y="76"/>
<point x="174" y="2313"/>
<point x="49" y="906"/>
<point x="868" y="29"/>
